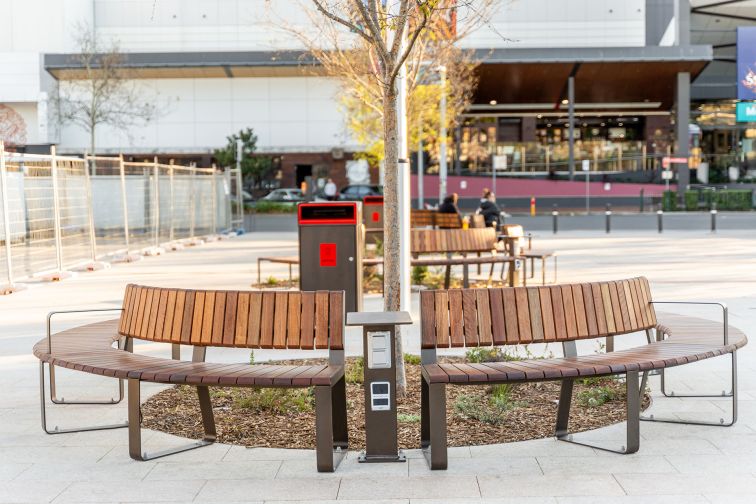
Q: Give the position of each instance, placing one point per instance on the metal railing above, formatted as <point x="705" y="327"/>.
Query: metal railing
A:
<point x="58" y="213"/>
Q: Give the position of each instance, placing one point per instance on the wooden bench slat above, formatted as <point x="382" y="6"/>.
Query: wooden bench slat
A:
<point x="624" y="306"/>
<point x="569" y="311"/>
<point x="616" y="308"/>
<point x="427" y="313"/>
<point x="242" y="319"/>
<point x="547" y="314"/>
<point x="442" y="318"/>
<point x="484" y="316"/>
<point x="293" y="320"/>
<point x="536" y="317"/>
<point x="321" y="319"/>
<point x="336" y="321"/>
<point x="456" y="331"/>
<point x="590" y="310"/>
<point x="580" y="315"/>
<point x="170" y="311"/>
<point x="470" y="315"/>
<point x="280" y="322"/>
<point x="307" y="336"/>
<point x="208" y="314"/>
<point x="229" y="319"/>
<point x="523" y="314"/>
<point x="598" y="305"/>
<point x="510" y="315"/>
<point x="267" y="319"/>
<point x="219" y="319"/>
<point x="560" y="321"/>
<point x="498" y="326"/>
<point x="606" y="300"/>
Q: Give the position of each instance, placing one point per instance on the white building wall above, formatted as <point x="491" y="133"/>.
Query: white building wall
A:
<point x="288" y="114"/>
<point x="560" y="23"/>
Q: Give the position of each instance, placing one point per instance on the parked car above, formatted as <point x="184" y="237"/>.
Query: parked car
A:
<point x="247" y="198"/>
<point x="356" y="192"/>
<point x="285" y="195"/>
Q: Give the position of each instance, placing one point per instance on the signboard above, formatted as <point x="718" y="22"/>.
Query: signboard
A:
<point x="745" y="112"/>
<point x="666" y="161"/>
<point x="746" y="63"/>
<point x="500" y="162"/>
<point x="667" y="175"/>
<point x="586" y="165"/>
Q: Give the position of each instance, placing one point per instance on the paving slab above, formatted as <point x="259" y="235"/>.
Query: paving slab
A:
<point x="676" y="463"/>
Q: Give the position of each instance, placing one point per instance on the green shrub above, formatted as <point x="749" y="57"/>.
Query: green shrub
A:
<point x="474" y="407"/>
<point x="408" y="418"/>
<point x="725" y="199"/>
<point x="595" y="397"/>
<point x="272" y="281"/>
<point x="488" y="354"/>
<point x="412" y="359"/>
<point x="419" y="274"/>
<point x="669" y="201"/>
<point x="276" y="400"/>
<point x="251" y="356"/>
<point x="265" y="207"/>
<point x="355" y="370"/>
<point x="501" y="396"/>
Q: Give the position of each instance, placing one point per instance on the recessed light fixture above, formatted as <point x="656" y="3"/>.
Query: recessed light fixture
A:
<point x="603" y="124"/>
<point x="539" y="116"/>
<point x="493" y="102"/>
<point x="565" y="101"/>
<point x="619" y="124"/>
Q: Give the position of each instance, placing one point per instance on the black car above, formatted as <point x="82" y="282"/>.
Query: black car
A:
<point x="357" y="192"/>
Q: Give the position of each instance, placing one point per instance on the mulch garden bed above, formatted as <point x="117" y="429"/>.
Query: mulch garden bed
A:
<point x="285" y="418"/>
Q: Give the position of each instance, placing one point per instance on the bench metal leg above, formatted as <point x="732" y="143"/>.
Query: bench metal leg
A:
<point x="733" y="395"/>
<point x="433" y="424"/>
<point x="632" y="409"/>
<point x="62" y="400"/>
<point x="135" y="424"/>
<point x="328" y="449"/>
<point x="447" y="277"/>
<point x="465" y="276"/>
<point x="57" y="429"/>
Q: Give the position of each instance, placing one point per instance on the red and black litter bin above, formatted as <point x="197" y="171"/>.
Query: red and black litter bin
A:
<point x="372" y="217"/>
<point x="330" y="249"/>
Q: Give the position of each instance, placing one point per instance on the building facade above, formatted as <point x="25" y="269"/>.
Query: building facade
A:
<point x="622" y="72"/>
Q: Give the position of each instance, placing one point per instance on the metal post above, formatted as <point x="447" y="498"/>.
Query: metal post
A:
<point x="555" y="219"/>
<point x="442" y="168"/>
<point x="714" y="218"/>
<point x="548" y="158"/>
<point x="191" y="202"/>
<point x="420" y="169"/>
<point x="587" y="192"/>
<point x="682" y="133"/>
<point x="157" y="202"/>
<point x="214" y="199"/>
<point x="122" y="173"/>
<point x="571" y="129"/>
<point x="608" y="214"/>
<point x="619" y="157"/>
<point x="6" y="215"/>
<point x="90" y="210"/>
<point x="642" y="192"/>
<point x="240" y="198"/>
<point x="659" y="220"/>
<point x="56" y="209"/>
<point x="171" y="234"/>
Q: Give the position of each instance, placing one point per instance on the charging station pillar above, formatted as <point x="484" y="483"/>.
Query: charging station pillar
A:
<point x="379" y="346"/>
<point x="330" y="250"/>
<point x="372" y="217"/>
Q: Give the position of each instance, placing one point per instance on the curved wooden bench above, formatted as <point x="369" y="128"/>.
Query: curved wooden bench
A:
<point x="560" y="314"/>
<point x="203" y="319"/>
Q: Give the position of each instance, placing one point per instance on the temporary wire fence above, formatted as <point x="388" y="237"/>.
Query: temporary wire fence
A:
<point x="59" y="213"/>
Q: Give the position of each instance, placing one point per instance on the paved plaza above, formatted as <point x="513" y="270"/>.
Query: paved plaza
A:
<point x="676" y="463"/>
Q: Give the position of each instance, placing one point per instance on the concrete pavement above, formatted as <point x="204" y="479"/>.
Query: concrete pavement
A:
<point x="675" y="463"/>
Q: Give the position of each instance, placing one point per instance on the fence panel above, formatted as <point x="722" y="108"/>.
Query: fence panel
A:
<point x="59" y="212"/>
<point x="107" y="201"/>
<point x="73" y="203"/>
<point x="140" y="204"/>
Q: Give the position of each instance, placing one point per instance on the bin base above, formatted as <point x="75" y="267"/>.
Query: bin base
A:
<point x="364" y="458"/>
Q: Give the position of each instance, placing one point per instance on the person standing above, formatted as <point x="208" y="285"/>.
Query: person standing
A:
<point x="330" y="190"/>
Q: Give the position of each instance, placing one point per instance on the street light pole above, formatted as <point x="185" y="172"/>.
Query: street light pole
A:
<point x="442" y="166"/>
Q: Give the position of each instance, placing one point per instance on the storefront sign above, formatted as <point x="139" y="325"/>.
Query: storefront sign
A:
<point x="746" y="112"/>
<point x="747" y="63"/>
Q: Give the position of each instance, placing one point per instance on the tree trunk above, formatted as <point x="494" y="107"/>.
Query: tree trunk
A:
<point x="92" y="147"/>
<point x="391" y="273"/>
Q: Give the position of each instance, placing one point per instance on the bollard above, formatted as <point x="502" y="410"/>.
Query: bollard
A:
<point x="608" y="214"/>
<point x="659" y="219"/>
<point x="532" y="207"/>
<point x="713" y="220"/>
<point x="642" y="192"/>
<point x="555" y="219"/>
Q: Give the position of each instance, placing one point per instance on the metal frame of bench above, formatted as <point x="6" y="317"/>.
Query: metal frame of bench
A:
<point x="292" y="319"/>
<point x="53" y="388"/>
<point x="290" y="260"/>
<point x="561" y="314"/>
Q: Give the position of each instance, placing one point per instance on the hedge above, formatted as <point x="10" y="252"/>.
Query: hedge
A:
<point x="725" y="199"/>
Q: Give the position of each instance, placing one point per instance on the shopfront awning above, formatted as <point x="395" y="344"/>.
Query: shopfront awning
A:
<point x="633" y="79"/>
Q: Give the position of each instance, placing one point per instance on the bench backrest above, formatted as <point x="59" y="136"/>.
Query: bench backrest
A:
<point x="513" y="230"/>
<point x="421" y="218"/>
<point x="447" y="220"/>
<point x="521" y="315"/>
<point x="240" y="319"/>
<point x="440" y="241"/>
<point x="477" y="221"/>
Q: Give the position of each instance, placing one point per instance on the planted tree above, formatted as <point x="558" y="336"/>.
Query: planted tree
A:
<point x="101" y="90"/>
<point x="380" y="38"/>
<point x="252" y="167"/>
